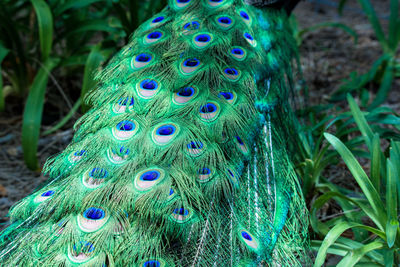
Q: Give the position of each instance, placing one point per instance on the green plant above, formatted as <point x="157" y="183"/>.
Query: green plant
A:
<point x="385" y="69"/>
<point x="72" y="36"/>
<point x="371" y="214"/>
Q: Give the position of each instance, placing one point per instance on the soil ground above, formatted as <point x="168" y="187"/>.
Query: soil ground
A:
<point x="328" y="55"/>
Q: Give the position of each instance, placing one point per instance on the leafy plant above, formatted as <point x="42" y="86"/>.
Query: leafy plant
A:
<point x="385" y="69"/>
<point x="73" y="36"/>
<point x="371" y="214"/>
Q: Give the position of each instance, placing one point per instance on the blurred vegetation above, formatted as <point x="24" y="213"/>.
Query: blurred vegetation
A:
<point x="38" y="38"/>
<point x="366" y="232"/>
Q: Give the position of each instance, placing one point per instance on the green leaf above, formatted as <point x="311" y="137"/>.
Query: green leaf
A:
<point x="93" y="62"/>
<point x="394" y="23"/>
<point x="376" y="159"/>
<point x="360" y="176"/>
<point x="3" y="53"/>
<point x="386" y="85"/>
<point x="361" y="121"/>
<point x="32" y="117"/>
<point x="330" y="239"/>
<point x="45" y="24"/>
<point x="392" y="224"/>
<point x="373" y="19"/>
<point x="355" y="255"/>
<point x="334" y="234"/>
<point x="74" y="4"/>
<point x="98" y="25"/>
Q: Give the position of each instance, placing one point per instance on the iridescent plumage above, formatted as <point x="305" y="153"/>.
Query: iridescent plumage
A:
<point x="183" y="159"/>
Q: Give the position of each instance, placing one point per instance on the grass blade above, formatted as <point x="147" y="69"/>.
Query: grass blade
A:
<point x="361" y="121"/>
<point x="3" y="53"/>
<point x="373" y="19"/>
<point x="360" y="176"/>
<point x="376" y="159"/>
<point x="45" y="24"/>
<point x="384" y="88"/>
<point x="33" y="114"/>
<point x="74" y="4"/>
<point x="394" y="24"/>
<point x="355" y="255"/>
<point x="392" y="224"/>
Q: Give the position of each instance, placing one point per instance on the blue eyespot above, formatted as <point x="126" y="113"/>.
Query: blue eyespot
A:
<point x="208" y="108"/>
<point x="158" y="19"/>
<point x="126" y="126"/>
<point x="237" y="51"/>
<point x="153" y="263"/>
<point x="225" y="20"/>
<point x="124" y="101"/>
<point x="226" y="95"/>
<point x="166" y="130"/>
<point x="154" y="35"/>
<point x="48" y="193"/>
<point x="248" y="36"/>
<point x="150" y="176"/>
<point x="240" y="141"/>
<point x="216" y="1"/>
<point x="94" y="213"/>
<point x="171" y="191"/>
<point x="246" y="236"/>
<point x="194" y="25"/>
<point x="231" y="173"/>
<point x="195" y="145"/>
<point x="183" y="1"/>
<point x="204" y="171"/>
<point x="186" y="91"/>
<point x="143" y="58"/>
<point x="244" y="15"/>
<point x="79" y="153"/>
<point x="98" y="173"/>
<point x="231" y="71"/>
<point x="204" y="38"/>
<point x="84" y="247"/>
<point x="148" y="84"/>
<point x="193" y="62"/>
<point x="181" y="211"/>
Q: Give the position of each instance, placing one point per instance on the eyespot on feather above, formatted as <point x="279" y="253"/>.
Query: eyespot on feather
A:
<point x="147" y="179"/>
<point x="124" y="130"/>
<point x="190" y="66"/>
<point x="165" y="133"/>
<point x="209" y="112"/>
<point x="123" y="104"/>
<point x="195" y="148"/>
<point x="147" y="88"/>
<point x="92" y="219"/>
<point x="95" y="177"/>
<point x="184" y="95"/>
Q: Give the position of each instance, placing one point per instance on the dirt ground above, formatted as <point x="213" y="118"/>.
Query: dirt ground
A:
<point x="328" y="55"/>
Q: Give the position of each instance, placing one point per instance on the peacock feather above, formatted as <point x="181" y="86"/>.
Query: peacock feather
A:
<point x="185" y="156"/>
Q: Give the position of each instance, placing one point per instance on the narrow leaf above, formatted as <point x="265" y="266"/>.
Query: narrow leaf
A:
<point x="373" y="19"/>
<point x="360" y="121"/>
<point x="360" y="176"/>
<point x="33" y="114"/>
<point x="3" y="53"/>
<point x="45" y="24"/>
<point x="355" y="255"/>
<point x="384" y="88"/>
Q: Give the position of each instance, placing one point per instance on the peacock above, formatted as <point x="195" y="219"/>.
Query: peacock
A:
<point x="186" y="156"/>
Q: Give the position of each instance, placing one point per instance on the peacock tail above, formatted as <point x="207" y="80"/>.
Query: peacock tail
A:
<point x="185" y="156"/>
